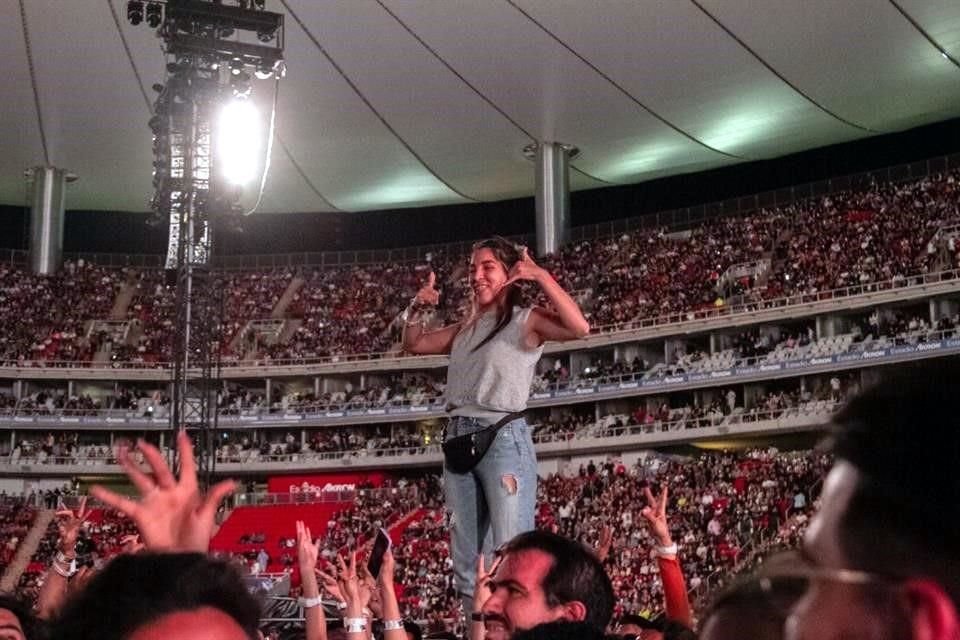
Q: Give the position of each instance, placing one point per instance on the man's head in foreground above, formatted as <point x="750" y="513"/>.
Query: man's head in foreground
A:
<point x="17" y="622"/>
<point x="546" y="578"/>
<point x="152" y="596"/>
<point x="884" y="548"/>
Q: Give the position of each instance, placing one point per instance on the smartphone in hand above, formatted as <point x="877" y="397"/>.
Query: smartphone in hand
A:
<point x="380" y="546"/>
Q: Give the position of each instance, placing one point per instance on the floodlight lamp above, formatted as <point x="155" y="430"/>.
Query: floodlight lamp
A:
<point x="238" y="141"/>
<point x="135" y="12"/>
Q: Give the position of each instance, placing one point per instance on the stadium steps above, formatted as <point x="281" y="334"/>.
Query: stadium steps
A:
<point x="290" y="327"/>
<point x="237" y="338"/>
<point x="280" y="309"/>
<point x="122" y="302"/>
<point x="397" y="529"/>
<point x="28" y="546"/>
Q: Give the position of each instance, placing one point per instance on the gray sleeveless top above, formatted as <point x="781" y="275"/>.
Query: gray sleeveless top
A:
<point x="495" y="379"/>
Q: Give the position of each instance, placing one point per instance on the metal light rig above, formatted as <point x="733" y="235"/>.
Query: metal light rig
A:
<point x="204" y="68"/>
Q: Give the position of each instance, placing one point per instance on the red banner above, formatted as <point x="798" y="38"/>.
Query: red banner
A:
<point x="325" y="482"/>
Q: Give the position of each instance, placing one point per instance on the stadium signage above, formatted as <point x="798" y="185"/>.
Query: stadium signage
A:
<point x="324" y="482"/>
<point x="327" y="488"/>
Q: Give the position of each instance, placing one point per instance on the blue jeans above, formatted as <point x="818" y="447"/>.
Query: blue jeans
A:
<point x="493" y="502"/>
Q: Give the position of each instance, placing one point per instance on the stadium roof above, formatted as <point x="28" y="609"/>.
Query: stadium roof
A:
<point x="394" y="103"/>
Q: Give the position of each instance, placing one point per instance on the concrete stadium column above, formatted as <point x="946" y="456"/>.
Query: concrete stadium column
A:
<point x="552" y="162"/>
<point x="942" y="308"/>
<point x="47" y="194"/>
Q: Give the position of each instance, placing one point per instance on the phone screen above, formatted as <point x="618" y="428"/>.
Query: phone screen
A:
<point x="380" y="547"/>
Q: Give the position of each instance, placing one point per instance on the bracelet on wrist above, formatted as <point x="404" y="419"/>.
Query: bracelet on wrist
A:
<point x="309" y="603"/>
<point x="668" y="550"/>
<point x="355" y="625"/>
<point x="476" y="616"/>
<point x="393" y="625"/>
<point x="64" y="558"/>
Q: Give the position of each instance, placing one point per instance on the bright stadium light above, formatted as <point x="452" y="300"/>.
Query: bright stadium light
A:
<point x="238" y="141"/>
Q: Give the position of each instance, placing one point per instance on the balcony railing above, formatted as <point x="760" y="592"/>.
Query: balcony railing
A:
<point x="634" y="434"/>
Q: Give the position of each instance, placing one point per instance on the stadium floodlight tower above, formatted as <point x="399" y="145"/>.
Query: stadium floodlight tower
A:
<point x="210" y="47"/>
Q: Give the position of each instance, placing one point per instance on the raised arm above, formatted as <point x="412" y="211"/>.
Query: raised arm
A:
<point x="392" y="620"/>
<point x="307" y="552"/>
<point x="566" y="322"/>
<point x="416" y="339"/>
<point x="172" y="515"/>
<point x="671" y="575"/>
<point x="54" y="589"/>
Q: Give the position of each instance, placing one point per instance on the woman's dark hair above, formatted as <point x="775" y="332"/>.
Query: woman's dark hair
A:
<point x="509" y="254"/>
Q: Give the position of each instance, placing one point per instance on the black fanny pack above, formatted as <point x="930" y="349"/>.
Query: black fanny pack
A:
<point x="462" y="453"/>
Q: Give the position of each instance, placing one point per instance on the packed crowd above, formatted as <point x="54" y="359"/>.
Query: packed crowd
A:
<point x="44" y="317"/>
<point x="677" y="412"/>
<point x="860" y="238"/>
<point x="877" y="559"/>
<point x="364" y="440"/>
<point x="722" y="506"/>
<point x="876" y="330"/>
<point x="105" y="533"/>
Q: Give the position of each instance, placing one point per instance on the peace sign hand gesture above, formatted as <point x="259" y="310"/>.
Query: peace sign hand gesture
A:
<point x="356" y="591"/>
<point x="655" y="513"/>
<point x="428" y="293"/>
<point x="307" y="550"/>
<point x="69" y="526"/>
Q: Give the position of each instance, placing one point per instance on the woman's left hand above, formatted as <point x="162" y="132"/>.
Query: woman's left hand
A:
<point x="524" y="269"/>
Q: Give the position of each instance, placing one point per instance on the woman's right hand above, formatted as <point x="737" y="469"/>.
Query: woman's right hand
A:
<point x="428" y="293"/>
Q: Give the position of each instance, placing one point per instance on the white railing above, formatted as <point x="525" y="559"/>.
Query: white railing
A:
<point x="919" y="343"/>
<point x="678" y="428"/>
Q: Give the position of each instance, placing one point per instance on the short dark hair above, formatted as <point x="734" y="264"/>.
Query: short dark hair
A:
<point x="575" y="575"/>
<point x="654" y="624"/>
<point x="673" y="630"/>
<point x="562" y="630"/>
<point x="413" y="629"/>
<point x="134" y="590"/>
<point x="33" y="627"/>
<point x="903" y="437"/>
